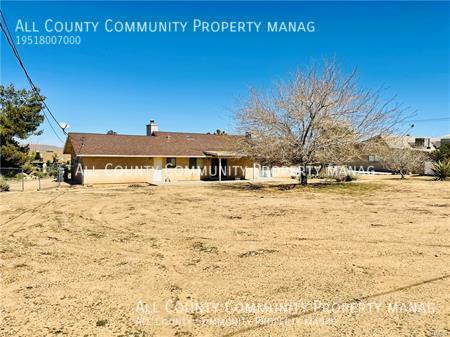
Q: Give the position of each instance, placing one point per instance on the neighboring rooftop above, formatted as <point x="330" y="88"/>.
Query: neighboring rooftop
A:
<point x="45" y="148"/>
<point x="412" y="142"/>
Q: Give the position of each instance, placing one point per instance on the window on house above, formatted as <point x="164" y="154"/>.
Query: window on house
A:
<point x="419" y="142"/>
<point x="192" y="163"/>
<point x="171" y="162"/>
<point x="373" y="159"/>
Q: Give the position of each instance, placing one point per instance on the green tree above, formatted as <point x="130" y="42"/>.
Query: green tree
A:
<point x="217" y="132"/>
<point x="442" y="153"/>
<point x="52" y="166"/>
<point x="111" y="132"/>
<point x="20" y="117"/>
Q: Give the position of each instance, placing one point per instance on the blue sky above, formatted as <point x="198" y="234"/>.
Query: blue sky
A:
<point x="193" y="81"/>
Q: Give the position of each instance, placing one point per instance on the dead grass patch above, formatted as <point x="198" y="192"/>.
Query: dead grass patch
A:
<point x="334" y="187"/>
<point x="201" y="247"/>
<point x="344" y="188"/>
<point x="257" y="252"/>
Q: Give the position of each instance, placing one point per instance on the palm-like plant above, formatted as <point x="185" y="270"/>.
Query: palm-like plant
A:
<point x="441" y="170"/>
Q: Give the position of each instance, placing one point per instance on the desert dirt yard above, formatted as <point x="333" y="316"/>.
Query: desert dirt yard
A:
<point x="367" y="258"/>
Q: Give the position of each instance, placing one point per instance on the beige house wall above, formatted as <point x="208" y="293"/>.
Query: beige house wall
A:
<point x="112" y="162"/>
<point x="237" y="168"/>
<point x="275" y="172"/>
<point x="111" y="170"/>
<point x="107" y="170"/>
<point x="117" y="176"/>
<point x="137" y="175"/>
<point x="158" y="162"/>
<point x="251" y="171"/>
<point x="180" y="174"/>
<point x="283" y="172"/>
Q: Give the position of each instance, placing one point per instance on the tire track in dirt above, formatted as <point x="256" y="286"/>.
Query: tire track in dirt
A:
<point x="33" y="212"/>
<point x="375" y="242"/>
<point x="174" y="291"/>
<point x="354" y="300"/>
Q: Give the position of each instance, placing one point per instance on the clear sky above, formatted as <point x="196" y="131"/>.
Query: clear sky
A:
<point x="193" y="81"/>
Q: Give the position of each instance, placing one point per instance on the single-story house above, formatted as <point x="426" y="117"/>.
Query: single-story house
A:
<point x="160" y="156"/>
<point x="423" y="144"/>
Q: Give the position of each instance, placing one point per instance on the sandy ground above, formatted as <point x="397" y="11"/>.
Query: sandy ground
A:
<point x="369" y="258"/>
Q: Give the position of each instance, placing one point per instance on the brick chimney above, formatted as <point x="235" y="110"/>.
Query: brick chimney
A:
<point x="152" y="128"/>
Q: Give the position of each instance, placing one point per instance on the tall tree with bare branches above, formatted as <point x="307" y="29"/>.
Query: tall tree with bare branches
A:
<point x="320" y="116"/>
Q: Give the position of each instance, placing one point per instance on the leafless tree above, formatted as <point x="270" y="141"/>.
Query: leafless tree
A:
<point x="320" y="116"/>
<point x="403" y="161"/>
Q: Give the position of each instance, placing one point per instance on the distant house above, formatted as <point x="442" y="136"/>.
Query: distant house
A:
<point x="445" y="139"/>
<point x="45" y="153"/>
<point x="158" y="156"/>
<point x="425" y="144"/>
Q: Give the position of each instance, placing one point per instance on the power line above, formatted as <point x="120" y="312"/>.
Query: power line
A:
<point x="8" y="36"/>
<point x="428" y="120"/>
<point x="54" y="131"/>
<point x="30" y="81"/>
<point x="11" y="43"/>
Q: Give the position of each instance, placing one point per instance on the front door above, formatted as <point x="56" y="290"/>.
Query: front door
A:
<point x="215" y="168"/>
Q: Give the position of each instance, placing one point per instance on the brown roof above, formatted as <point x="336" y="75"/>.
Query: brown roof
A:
<point x="165" y="144"/>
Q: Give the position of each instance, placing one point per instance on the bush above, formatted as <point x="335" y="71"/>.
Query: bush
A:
<point x="20" y="176"/>
<point x="52" y="170"/>
<point x="442" y="153"/>
<point x="27" y="168"/>
<point x="441" y="170"/>
<point x="24" y="176"/>
<point x="39" y="174"/>
<point x="4" y="187"/>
